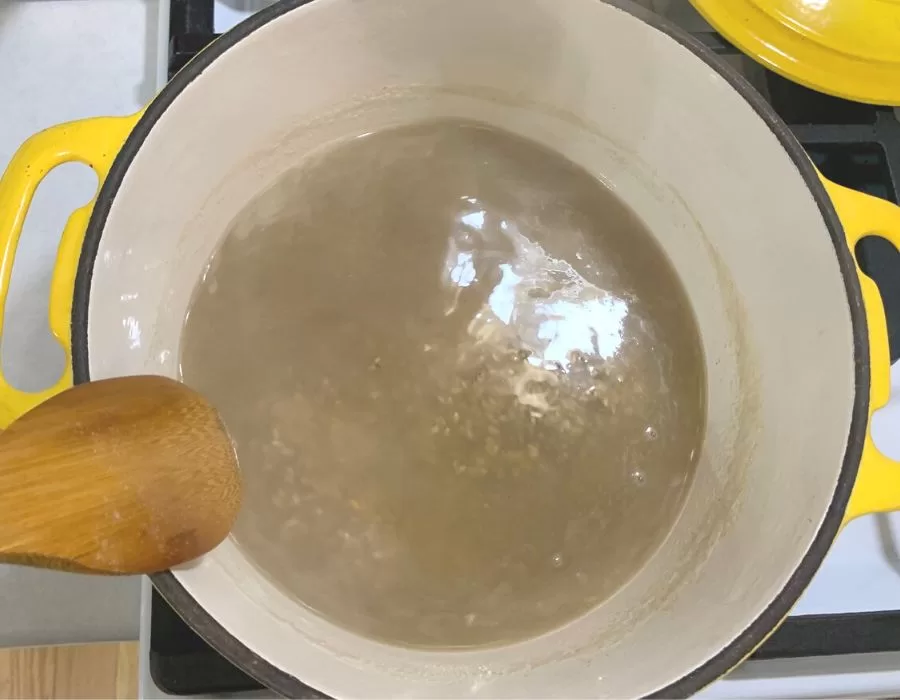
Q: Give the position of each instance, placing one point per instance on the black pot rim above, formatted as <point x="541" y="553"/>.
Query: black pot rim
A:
<point x="744" y="644"/>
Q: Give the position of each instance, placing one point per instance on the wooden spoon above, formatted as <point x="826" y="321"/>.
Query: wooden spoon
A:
<point x="120" y="476"/>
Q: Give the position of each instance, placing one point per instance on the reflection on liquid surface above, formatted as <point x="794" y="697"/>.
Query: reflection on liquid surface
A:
<point x="465" y="385"/>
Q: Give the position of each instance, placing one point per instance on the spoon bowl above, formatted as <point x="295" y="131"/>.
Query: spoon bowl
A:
<point x="121" y="476"/>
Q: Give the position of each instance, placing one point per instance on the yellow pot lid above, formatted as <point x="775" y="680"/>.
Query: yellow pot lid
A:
<point x="848" y="48"/>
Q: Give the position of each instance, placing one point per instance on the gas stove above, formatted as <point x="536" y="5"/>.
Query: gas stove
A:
<point x="843" y="637"/>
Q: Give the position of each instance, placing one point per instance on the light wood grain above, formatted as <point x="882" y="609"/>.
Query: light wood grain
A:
<point x="80" y="671"/>
<point x="122" y="476"/>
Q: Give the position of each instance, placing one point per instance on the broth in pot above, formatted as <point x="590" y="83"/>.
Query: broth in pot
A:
<point x="465" y="384"/>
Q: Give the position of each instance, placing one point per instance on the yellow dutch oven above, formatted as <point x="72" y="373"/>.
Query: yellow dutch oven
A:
<point x="797" y="356"/>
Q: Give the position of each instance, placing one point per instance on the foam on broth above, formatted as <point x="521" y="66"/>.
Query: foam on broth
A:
<point x="465" y="384"/>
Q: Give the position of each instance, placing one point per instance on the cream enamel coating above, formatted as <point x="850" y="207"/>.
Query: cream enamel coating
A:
<point x="732" y="214"/>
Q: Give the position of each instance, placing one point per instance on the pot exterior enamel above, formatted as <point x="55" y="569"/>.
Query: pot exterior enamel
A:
<point x="721" y="182"/>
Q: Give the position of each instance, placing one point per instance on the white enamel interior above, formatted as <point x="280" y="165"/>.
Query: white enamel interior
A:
<point x="681" y="146"/>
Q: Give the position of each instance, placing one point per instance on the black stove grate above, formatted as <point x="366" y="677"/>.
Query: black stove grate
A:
<point x="853" y="144"/>
<point x="181" y="663"/>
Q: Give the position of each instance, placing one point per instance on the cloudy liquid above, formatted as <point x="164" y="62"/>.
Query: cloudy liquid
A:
<point x="465" y="384"/>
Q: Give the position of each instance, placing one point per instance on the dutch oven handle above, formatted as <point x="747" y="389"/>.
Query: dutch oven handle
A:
<point x="94" y="142"/>
<point x="877" y="488"/>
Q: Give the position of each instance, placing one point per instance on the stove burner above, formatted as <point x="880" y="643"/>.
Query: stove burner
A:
<point x="853" y="144"/>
